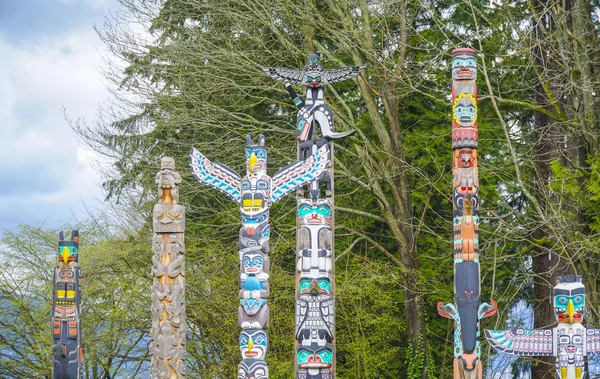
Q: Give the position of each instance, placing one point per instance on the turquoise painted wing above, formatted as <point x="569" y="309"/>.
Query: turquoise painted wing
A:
<point x="524" y="342"/>
<point x="215" y="175"/>
<point x="592" y="341"/>
<point x="300" y="173"/>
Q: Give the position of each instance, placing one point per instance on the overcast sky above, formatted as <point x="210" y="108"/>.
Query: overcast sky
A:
<point x="50" y="61"/>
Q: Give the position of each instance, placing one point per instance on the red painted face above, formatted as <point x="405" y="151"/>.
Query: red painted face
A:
<point x="466" y="159"/>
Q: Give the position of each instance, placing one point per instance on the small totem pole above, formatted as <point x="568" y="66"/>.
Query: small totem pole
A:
<point x="66" y="310"/>
<point x="315" y="313"/>
<point x="569" y="341"/>
<point x="255" y="193"/>
<point x="466" y="310"/>
<point x="168" y="333"/>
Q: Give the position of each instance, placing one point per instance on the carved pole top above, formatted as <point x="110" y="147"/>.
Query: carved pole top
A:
<point x="168" y="182"/>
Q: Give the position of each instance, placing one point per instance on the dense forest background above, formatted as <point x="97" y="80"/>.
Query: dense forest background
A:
<point x="187" y="73"/>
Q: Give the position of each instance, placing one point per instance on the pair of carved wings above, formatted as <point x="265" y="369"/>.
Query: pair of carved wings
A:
<point x="535" y="342"/>
<point x="293" y="76"/>
<point x="289" y="178"/>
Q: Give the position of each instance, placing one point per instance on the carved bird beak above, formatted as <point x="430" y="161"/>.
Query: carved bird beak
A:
<point x="64" y="254"/>
<point x="252" y="161"/>
<point x="570" y="311"/>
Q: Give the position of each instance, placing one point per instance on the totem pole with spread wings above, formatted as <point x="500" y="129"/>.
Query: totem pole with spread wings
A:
<point x="315" y="313"/>
<point x="256" y="192"/>
<point x="570" y="342"/>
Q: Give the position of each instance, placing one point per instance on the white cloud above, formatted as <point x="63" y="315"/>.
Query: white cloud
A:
<point x="46" y="176"/>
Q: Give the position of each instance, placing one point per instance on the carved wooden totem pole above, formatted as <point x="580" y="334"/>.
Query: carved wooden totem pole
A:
<point x="569" y="341"/>
<point x="315" y="313"/>
<point x="168" y="333"/>
<point x="66" y="310"/>
<point x="466" y="310"/>
<point x="255" y="193"/>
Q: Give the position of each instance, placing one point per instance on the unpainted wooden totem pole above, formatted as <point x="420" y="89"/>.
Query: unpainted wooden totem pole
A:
<point x="255" y="193"/>
<point x="467" y="309"/>
<point x="168" y="333"/>
<point x="315" y="311"/>
<point x="570" y="342"/>
<point x="67" y="355"/>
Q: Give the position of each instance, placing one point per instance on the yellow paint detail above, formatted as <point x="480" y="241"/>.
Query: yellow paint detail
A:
<point x="258" y="203"/>
<point x="70" y="293"/>
<point x="61" y="293"/>
<point x="250" y="344"/>
<point x="577" y="372"/>
<point x="570" y="311"/>
<point x="252" y="161"/>
<point x="563" y="373"/>
<point x="247" y="203"/>
<point x="65" y="254"/>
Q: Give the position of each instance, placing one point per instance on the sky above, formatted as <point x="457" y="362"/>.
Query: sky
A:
<point x="50" y="66"/>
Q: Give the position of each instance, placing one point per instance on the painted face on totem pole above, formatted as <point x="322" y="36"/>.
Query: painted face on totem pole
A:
<point x="315" y="213"/>
<point x="68" y="250"/>
<point x="254" y="263"/>
<point x="252" y="305"/>
<point x="314" y="72"/>
<point x="314" y="356"/>
<point x="569" y="299"/>
<point x="464" y="111"/>
<point x="253" y="369"/>
<point x="315" y="286"/>
<point x="255" y="187"/>
<point x="466" y="159"/>
<point x="256" y="227"/>
<point x="253" y="343"/>
<point x="464" y="66"/>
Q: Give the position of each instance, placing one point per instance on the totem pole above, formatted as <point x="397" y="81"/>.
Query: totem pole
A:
<point x="569" y="341"/>
<point x="466" y="310"/>
<point x="66" y="310"/>
<point x="255" y="193"/>
<point x="168" y="333"/>
<point x="315" y="313"/>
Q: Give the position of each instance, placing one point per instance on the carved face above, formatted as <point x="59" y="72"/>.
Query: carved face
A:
<point x="465" y="109"/>
<point x="252" y="305"/>
<point x="465" y="158"/>
<point x="68" y="251"/>
<point x="254" y="263"/>
<point x="314" y="356"/>
<point x="464" y="66"/>
<point x="315" y="213"/>
<point x="253" y="343"/>
<point x="569" y="300"/>
<point x="253" y="369"/>
<point x="256" y="226"/>
<point x="255" y="194"/>
<point x="317" y="286"/>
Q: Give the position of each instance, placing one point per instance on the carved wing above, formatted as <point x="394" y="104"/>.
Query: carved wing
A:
<point x="286" y="75"/>
<point x="215" y="175"/>
<point x="340" y="74"/>
<point x="326" y="307"/>
<point x="592" y="341"/>
<point x="525" y="342"/>
<point x="300" y="173"/>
